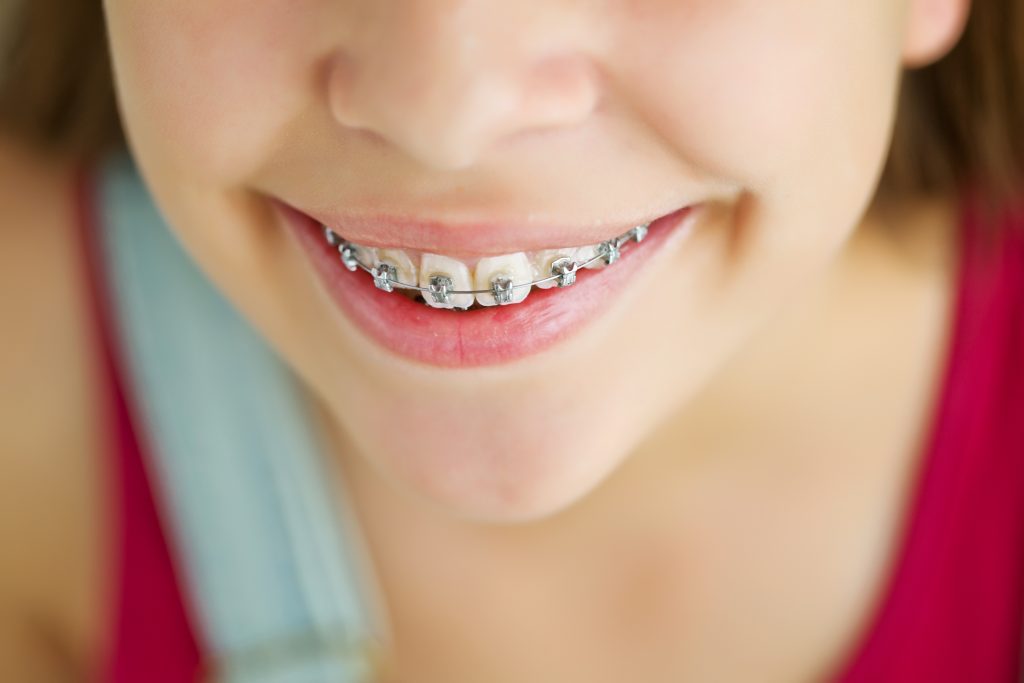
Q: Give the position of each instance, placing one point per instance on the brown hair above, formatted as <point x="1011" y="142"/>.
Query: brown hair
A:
<point x="56" y="86"/>
<point x="960" y="120"/>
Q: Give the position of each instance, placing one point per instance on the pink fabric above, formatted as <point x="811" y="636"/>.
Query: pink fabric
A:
<point x="151" y="638"/>
<point x="951" y="610"/>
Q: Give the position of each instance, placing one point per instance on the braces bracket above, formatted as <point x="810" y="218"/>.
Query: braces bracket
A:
<point x="439" y="287"/>
<point x="384" y="275"/>
<point x="565" y="269"/>
<point x="501" y="287"/>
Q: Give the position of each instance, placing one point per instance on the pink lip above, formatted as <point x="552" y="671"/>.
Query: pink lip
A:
<point x="488" y="336"/>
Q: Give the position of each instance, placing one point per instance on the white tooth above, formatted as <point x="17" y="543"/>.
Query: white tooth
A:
<point x="434" y="264"/>
<point x="542" y="261"/>
<point x="366" y="255"/>
<point x="402" y="263"/>
<point x="515" y="266"/>
<point x="584" y="254"/>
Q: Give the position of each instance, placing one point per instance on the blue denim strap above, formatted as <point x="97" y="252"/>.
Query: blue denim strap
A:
<point x="273" y="565"/>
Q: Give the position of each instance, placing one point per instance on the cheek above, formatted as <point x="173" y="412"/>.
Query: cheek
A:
<point x="754" y="91"/>
<point x="204" y="84"/>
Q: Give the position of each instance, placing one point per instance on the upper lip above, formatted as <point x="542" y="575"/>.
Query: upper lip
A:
<point x="473" y="238"/>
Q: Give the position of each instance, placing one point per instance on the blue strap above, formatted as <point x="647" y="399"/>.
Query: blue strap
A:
<point x="270" y="553"/>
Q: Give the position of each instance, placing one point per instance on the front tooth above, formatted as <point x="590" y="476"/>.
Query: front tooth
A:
<point x="457" y="271"/>
<point x="515" y="266"/>
<point x="542" y="261"/>
<point x="406" y="269"/>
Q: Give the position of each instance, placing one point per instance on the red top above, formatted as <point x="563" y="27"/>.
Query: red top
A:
<point x="953" y="606"/>
<point x="150" y="635"/>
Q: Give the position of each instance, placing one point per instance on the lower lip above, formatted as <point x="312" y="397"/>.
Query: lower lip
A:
<point x="478" y="337"/>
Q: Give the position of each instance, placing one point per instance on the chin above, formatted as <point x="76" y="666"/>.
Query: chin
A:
<point x="518" y="478"/>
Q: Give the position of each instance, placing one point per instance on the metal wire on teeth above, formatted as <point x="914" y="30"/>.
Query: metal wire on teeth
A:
<point x="439" y="288"/>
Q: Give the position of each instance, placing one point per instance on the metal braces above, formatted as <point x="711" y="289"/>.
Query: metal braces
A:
<point x="439" y="288"/>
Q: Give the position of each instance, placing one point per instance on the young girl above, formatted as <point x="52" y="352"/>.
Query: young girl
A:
<point x="483" y="341"/>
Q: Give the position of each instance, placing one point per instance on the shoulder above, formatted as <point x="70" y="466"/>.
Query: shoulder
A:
<point x="50" y="491"/>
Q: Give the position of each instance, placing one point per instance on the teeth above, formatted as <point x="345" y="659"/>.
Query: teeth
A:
<point x="436" y="266"/>
<point x="608" y="251"/>
<point x="353" y="254"/>
<point x="384" y="275"/>
<point x="366" y="255"/>
<point x="405" y="269"/>
<point x="584" y="254"/>
<point x="496" y="273"/>
<point x="542" y="261"/>
<point x="347" y="251"/>
<point x="502" y="277"/>
<point x="565" y="268"/>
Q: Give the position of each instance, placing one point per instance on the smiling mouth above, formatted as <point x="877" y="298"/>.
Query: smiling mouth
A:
<point x="444" y="282"/>
<point x="489" y="309"/>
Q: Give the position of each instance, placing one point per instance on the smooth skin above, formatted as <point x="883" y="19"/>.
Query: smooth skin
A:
<point x="733" y="520"/>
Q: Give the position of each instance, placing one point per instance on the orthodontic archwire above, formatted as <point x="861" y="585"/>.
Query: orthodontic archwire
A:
<point x="563" y="270"/>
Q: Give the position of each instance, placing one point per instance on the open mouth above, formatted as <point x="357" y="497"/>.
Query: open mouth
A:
<point x="444" y="282"/>
<point x="457" y="312"/>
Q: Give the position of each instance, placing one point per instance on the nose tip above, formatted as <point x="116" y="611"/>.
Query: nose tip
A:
<point x="447" y="113"/>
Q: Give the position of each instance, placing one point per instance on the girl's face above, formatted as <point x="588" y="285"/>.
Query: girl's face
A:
<point x="506" y="126"/>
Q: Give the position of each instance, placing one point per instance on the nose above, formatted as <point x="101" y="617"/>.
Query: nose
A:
<point x="447" y="80"/>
